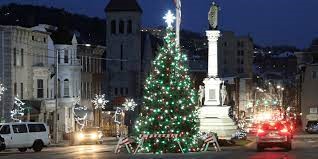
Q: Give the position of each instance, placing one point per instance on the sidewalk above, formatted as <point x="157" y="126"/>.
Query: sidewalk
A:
<point x="305" y="135"/>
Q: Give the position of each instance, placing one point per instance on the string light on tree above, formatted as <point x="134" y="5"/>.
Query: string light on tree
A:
<point x="18" y="110"/>
<point x="169" y="99"/>
<point x="99" y="101"/>
<point x="129" y="104"/>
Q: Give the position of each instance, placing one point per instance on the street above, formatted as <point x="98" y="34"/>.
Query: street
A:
<point x="302" y="148"/>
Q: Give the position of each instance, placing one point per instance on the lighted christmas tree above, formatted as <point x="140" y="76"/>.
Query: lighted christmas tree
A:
<point x="169" y="101"/>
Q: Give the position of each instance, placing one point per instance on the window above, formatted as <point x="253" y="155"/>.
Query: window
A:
<point x="313" y="110"/>
<point x="21" y="91"/>
<point x="66" y="88"/>
<point x="121" y="27"/>
<point x="116" y="91"/>
<point x="58" y="57"/>
<point x="66" y="56"/>
<point x="59" y="88"/>
<point x="121" y="56"/>
<point x="40" y="88"/>
<point x="33" y="38"/>
<point x="69" y="113"/>
<point x="126" y="91"/>
<point x="44" y="40"/>
<point x="121" y="91"/>
<point x="88" y="66"/>
<point x="212" y="94"/>
<point x="22" y="57"/>
<point x="242" y="61"/>
<point x="129" y="27"/>
<point x="36" y="128"/>
<point x="21" y="128"/>
<point x="314" y="74"/>
<point x="15" y="92"/>
<point x="14" y="57"/>
<point x="113" y="26"/>
<point x="5" y="129"/>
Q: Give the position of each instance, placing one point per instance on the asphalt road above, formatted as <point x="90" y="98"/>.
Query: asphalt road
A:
<point x="302" y="149"/>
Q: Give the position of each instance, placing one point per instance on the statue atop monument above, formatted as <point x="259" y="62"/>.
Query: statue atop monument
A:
<point x="213" y="16"/>
<point x="223" y="93"/>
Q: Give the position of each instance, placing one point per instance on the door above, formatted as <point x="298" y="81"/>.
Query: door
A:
<point x="5" y="132"/>
<point x="20" y="136"/>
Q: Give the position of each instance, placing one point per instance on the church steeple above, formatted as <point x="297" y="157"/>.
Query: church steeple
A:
<point x="123" y="5"/>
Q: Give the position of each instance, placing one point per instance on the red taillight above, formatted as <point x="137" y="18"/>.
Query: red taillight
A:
<point x="284" y="130"/>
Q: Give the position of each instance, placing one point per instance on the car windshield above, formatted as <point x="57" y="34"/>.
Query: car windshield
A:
<point x="90" y="130"/>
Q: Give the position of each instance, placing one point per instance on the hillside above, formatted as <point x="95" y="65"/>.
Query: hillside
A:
<point x="90" y="30"/>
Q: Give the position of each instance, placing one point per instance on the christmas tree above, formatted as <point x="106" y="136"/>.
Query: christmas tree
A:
<point x="169" y="101"/>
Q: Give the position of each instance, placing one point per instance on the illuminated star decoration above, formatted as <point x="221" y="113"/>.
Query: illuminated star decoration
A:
<point x="118" y="113"/>
<point x="100" y="101"/>
<point x="169" y="19"/>
<point x="129" y="104"/>
<point x="18" y="111"/>
<point x="2" y="89"/>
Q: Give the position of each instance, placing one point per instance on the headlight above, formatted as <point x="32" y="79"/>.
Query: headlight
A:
<point x="80" y="135"/>
<point x="93" y="136"/>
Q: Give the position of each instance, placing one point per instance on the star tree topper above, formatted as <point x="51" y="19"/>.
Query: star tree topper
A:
<point x="169" y="19"/>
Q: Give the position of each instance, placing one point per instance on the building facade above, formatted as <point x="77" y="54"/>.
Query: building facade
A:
<point x="307" y="84"/>
<point x="24" y="67"/>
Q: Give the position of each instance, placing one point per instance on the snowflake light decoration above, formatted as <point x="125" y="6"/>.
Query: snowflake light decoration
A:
<point x="99" y="101"/>
<point x="129" y="104"/>
<point x="2" y="89"/>
<point x="169" y="19"/>
<point x="18" y="111"/>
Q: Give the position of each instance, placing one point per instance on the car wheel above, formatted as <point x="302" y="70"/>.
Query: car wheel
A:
<point x="37" y="146"/>
<point x="2" y="147"/>
<point x="259" y="148"/>
<point x="22" y="149"/>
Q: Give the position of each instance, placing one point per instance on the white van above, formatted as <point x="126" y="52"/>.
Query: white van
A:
<point x="24" y="135"/>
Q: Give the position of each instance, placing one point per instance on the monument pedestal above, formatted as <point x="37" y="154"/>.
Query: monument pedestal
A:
<point x="216" y="119"/>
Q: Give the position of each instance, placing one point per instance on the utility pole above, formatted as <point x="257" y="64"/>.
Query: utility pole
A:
<point x="56" y="132"/>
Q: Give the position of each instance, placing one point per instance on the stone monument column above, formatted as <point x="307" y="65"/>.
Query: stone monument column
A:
<point x="213" y="115"/>
<point x="212" y="83"/>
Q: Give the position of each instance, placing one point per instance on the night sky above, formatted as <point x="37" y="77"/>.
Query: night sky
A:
<point x="269" y="22"/>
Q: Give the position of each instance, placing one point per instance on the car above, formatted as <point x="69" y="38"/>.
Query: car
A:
<point x="91" y="134"/>
<point x="312" y="127"/>
<point x="273" y="134"/>
<point x="290" y="126"/>
<point x="24" y="135"/>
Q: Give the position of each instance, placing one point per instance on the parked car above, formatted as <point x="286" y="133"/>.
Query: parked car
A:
<point x="25" y="135"/>
<point x="91" y="134"/>
<point x="273" y="134"/>
<point x="312" y="127"/>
